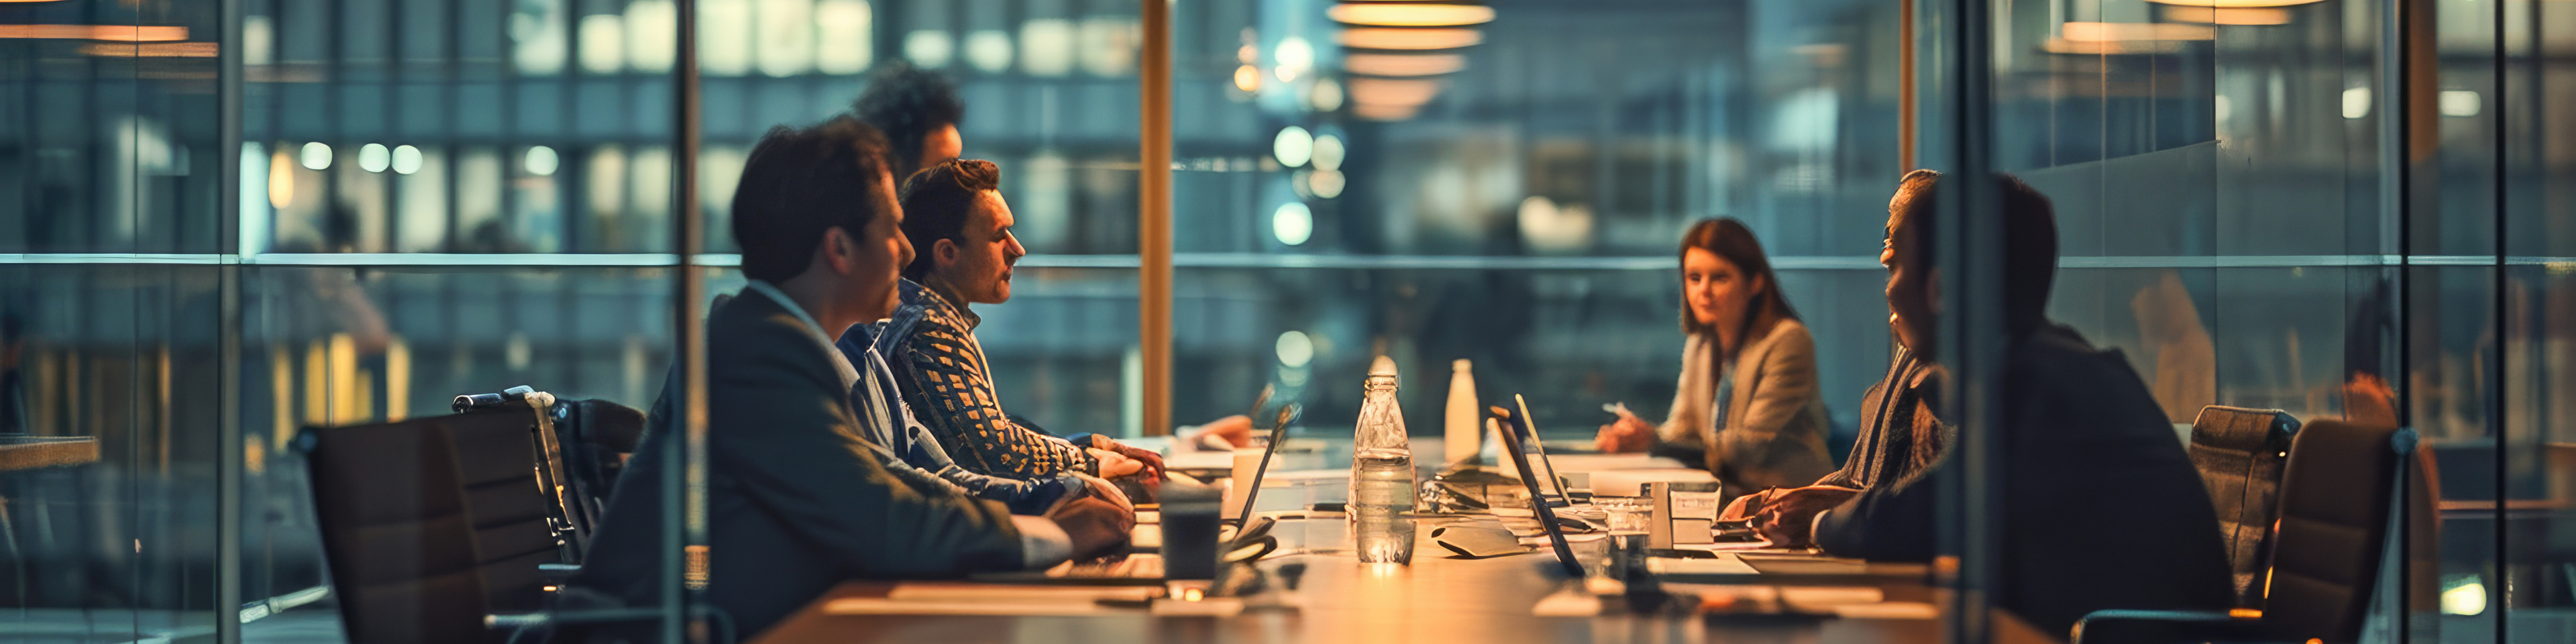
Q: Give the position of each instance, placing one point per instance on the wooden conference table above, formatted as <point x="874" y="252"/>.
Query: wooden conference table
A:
<point x="1439" y="598"/>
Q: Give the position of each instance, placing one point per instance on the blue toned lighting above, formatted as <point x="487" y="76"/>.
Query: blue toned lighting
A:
<point x="373" y="157"/>
<point x="1328" y="152"/>
<point x="1293" y="146"/>
<point x="406" y="159"/>
<point x="315" y="156"/>
<point x="1295" y="349"/>
<point x="541" y="161"/>
<point x="1292" y="223"/>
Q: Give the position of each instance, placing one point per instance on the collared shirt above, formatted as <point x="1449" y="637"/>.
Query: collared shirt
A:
<point x="849" y="374"/>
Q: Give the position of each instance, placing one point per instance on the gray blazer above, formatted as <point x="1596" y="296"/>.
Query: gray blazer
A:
<point x="1773" y="431"/>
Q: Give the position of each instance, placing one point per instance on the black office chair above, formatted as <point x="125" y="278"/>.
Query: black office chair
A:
<point x="429" y="525"/>
<point x="2337" y="495"/>
<point x="580" y="446"/>
<point x="2239" y="453"/>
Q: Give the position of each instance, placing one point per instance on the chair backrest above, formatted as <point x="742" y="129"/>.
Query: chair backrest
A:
<point x="430" y="524"/>
<point x="2239" y="453"/>
<point x="596" y="435"/>
<point x="2336" y="497"/>
<point x="396" y="533"/>
<point x="512" y="512"/>
<point x="570" y="506"/>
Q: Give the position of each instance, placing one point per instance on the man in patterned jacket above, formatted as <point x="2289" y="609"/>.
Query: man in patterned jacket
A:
<point x="962" y="228"/>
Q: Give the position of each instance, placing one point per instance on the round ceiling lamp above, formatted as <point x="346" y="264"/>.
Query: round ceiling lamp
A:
<point x="2254" y="16"/>
<point x="1380" y="91"/>
<point x="2236" y="4"/>
<point x="1411" y="15"/>
<point x="1403" y="65"/>
<point x="1409" y="39"/>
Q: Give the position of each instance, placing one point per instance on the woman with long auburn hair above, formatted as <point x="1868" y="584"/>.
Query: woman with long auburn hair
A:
<point x="1747" y="400"/>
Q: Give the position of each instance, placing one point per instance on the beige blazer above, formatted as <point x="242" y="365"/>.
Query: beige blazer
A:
<point x="1774" y="425"/>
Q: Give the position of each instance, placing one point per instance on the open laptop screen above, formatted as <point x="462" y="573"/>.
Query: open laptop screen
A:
<point x="1511" y="428"/>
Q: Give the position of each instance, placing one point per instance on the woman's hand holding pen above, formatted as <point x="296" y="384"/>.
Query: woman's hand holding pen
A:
<point x="1627" y="434"/>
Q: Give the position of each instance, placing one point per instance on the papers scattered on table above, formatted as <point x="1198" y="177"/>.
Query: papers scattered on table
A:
<point x="988" y="599"/>
<point x="1632" y="482"/>
<point x="1722" y="565"/>
<point x="1608" y="462"/>
<point x="1802" y="564"/>
<point x="1732" y="546"/>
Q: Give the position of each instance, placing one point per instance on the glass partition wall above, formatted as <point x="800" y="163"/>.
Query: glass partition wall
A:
<point x="1507" y="184"/>
<point x="221" y="223"/>
<point x="2342" y="210"/>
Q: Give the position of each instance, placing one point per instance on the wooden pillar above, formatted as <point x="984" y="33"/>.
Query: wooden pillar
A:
<point x="1154" y="218"/>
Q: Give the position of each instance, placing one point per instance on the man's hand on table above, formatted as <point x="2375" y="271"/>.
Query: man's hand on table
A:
<point x="1745" y="506"/>
<point x="1096" y="527"/>
<point x="1118" y="459"/>
<point x="1113" y="464"/>
<point x="1104" y="490"/>
<point x="1786" y="516"/>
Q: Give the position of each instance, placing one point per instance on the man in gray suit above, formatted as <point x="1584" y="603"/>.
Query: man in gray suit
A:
<point x="799" y="499"/>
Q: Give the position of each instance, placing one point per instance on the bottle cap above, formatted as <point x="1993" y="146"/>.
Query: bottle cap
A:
<point x="1458" y="365"/>
<point x="1382" y="366"/>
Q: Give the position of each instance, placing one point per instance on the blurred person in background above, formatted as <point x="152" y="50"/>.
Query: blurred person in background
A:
<point x="1747" y="406"/>
<point x="1900" y="436"/>
<point x="918" y="110"/>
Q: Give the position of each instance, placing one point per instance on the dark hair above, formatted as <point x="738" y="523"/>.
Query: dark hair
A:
<point x="908" y="102"/>
<point x="1730" y="240"/>
<point x="800" y="182"/>
<point x="936" y="201"/>
<point x="2030" y="240"/>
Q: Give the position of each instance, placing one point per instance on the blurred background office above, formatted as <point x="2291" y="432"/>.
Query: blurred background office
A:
<point x="434" y="197"/>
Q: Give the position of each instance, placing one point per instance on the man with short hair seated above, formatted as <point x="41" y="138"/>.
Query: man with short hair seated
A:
<point x="961" y="229"/>
<point x="2102" y="508"/>
<point x="800" y="494"/>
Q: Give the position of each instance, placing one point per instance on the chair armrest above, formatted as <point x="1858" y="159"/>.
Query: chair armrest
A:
<point x="557" y="573"/>
<point x="2166" y="626"/>
<point x="515" y="621"/>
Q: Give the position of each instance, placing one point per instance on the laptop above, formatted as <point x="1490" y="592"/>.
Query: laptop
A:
<point x="1560" y="498"/>
<point x="1541" y="506"/>
<point x="1151" y="568"/>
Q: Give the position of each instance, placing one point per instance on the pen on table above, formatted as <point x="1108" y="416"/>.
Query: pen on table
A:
<point x="1618" y="408"/>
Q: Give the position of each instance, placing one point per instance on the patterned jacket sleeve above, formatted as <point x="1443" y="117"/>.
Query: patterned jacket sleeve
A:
<point x="1030" y="497"/>
<point x="951" y="393"/>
